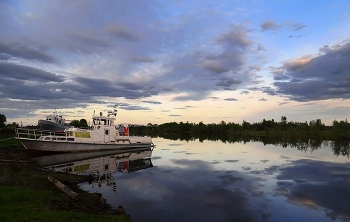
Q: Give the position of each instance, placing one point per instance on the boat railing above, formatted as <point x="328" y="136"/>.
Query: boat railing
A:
<point x="35" y="133"/>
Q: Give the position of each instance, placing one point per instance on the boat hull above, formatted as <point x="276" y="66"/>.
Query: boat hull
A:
<point x="50" y="160"/>
<point x="67" y="146"/>
<point x="48" y="125"/>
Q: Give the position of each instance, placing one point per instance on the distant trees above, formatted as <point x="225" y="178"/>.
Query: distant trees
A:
<point x="2" y="120"/>
<point x="12" y="125"/>
<point x="79" y="123"/>
<point x="83" y="123"/>
<point x="264" y="125"/>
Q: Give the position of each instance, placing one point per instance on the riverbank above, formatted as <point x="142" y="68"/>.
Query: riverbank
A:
<point x="26" y="194"/>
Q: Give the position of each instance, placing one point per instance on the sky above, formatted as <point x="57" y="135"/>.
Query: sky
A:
<point x="165" y="61"/>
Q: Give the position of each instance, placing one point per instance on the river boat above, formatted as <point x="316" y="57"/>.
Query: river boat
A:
<point x="53" y="122"/>
<point x="99" y="166"/>
<point x="104" y="134"/>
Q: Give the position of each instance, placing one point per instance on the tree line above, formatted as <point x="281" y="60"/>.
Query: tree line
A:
<point x="264" y="125"/>
<point x="263" y="128"/>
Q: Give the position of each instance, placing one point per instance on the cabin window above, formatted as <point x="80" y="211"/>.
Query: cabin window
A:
<point x="47" y="138"/>
<point x="61" y="138"/>
<point x="70" y="139"/>
<point x="106" y="167"/>
<point x="106" y="132"/>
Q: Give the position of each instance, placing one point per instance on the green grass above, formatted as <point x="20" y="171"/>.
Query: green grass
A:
<point x="5" y="142"/>
<point x="26" y="204"/>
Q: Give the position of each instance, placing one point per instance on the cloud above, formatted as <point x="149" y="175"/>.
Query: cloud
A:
<point x="270" y="26"/>
<point x="231" y="99"/>
<point x="228" y="82"/>
<point x="186" y="177"/>
<point x="317" y="185"/>
<point x="152" y="102"/>
<point x="20" y="72"/>
<point x="142" y="59"/>
<point x="4" y="57"/>
<point x="320" y="77"/>
<point x="15" y="49"/>
<point x="122" y="32"/>
<point x="263" y="99"/>
<point x="88" y="50"/>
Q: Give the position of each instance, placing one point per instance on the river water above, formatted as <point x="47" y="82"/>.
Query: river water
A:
<point x="218" y="181"/>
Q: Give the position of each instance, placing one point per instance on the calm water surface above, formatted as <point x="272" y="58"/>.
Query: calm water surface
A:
<point x="216" y="181"/>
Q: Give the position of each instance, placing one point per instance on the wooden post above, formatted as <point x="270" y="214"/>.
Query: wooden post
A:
<point x="63" y="188"/>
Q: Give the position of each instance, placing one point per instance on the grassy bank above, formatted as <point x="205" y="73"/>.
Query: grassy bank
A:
<point x="27" y="195"/>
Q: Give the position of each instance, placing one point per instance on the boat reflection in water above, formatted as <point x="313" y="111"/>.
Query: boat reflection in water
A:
<point x="99" y="166"/>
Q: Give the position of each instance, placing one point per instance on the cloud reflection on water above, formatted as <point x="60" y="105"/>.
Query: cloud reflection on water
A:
<point x="263" y="183"/>
<point x="317" y="184"/>
<point x="193" y="191"/>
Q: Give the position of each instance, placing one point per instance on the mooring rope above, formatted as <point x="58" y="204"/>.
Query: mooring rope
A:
<point x="7" y="138"/>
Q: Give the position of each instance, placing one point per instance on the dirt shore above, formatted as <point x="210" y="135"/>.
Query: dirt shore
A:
<point x="17" y="169"/>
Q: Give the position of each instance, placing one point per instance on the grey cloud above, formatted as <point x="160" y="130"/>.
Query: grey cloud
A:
<point x="214" y="66"/>
<point x="216" y="196"/>
<point x="122" y="32"/>
<point x="127" y="106"/>
<point x="270" y="26"/>
<point x="46" y="90"/>
<point x="325" y="76"/>
<point x="20" y="51"/>
<point x="235" y="38"/>
<point x="245" y="92"/>
<point x="281" y="77"/>
<point x="261" y="48"/>
<point x="90" y="39"/>
<point x="263" y="99"/>
<point x="4" y="57"/>
<point x="130" y="107"/>
<point x="102" y="87"/>
<point x="296" y="26"/>
<point x="142" y="59"/>
<point x="318" y="184"/>
<point x="174" y="115"/>
<point x="231" y="161"/>
<point x="228" y="82"/>
<point x="21" y="72"/>
<point x="152" y="102"/>
<point x="231" y="99"/>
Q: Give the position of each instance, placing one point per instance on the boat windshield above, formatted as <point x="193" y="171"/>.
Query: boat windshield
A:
<point x="101" y="122"/>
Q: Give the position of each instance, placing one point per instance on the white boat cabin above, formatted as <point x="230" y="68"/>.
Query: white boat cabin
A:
<point x="103" y="130"/>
